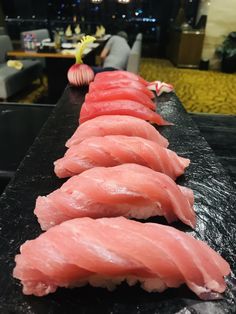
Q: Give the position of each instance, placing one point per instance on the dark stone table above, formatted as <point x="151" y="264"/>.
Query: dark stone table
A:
<point x="19" y="125"/>
<point x="220" y="133"/>
<point x="214" y="205"/>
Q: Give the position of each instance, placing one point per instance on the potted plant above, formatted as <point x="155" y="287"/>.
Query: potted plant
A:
<point x="227" y="53"/>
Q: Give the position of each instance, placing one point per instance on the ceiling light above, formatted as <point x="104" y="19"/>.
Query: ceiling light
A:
<point x="123" y="1"/>
<point x="96" y="1"/>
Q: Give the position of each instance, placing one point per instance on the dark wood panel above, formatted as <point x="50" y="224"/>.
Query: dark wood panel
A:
<point x="185" y="48"/>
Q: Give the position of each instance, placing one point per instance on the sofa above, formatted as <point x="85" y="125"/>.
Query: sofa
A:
<point x="2" y="30"/>
<point x="135" y="55"/>
<point x="12" y="80"/>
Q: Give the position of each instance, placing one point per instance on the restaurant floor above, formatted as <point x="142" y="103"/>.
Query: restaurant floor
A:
<point x="199" y="91"/>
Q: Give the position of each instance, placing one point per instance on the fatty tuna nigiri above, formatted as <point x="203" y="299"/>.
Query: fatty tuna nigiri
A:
<point x="113" y="150"/>
<point x="116" y="125"/>
<point x="121" y="83"/>
<point x="104" y="252"/>
<point x="119" y="75"/>
<point x="128" y="190"/>
<point x="90" y="110"/>
<point x="120" y="93"/>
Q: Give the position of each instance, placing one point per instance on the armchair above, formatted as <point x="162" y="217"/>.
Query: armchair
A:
<point x="12" y="80"/>
<point x="2" y="30"/>
<point x="135" y="55"/>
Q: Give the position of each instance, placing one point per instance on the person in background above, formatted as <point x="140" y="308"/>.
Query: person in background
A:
<point x="115" y="54"/>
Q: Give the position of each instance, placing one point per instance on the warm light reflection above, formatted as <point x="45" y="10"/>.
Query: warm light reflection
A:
<point x="96" y="1"/>
<point x="123" y="1"/>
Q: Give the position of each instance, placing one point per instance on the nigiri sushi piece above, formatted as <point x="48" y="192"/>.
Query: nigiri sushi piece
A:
<point x="90" y="110"/>
<point x="120" y="93"/>
<point x="116" y="125"/>
<point x="113" y="150"/>
<point x="120" y="83"/>
<point x="128" y="190"/>
<point x="157" y="86"/>
<point x="119" y="75"/>
<point x="107" y="251"/>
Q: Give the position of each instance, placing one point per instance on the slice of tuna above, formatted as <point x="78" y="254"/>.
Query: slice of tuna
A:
<point x="121" y="83"/>
<point x="116" y="125"/>
<point x="128" y="190"/>
<point x="90" y="110"/>
<point x="119" y="75"/>
<point x="104" y="252"/>
<point x="120" y="93"/>
<point x="113" y="150"/>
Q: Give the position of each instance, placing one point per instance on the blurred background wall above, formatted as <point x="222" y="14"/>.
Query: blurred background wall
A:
<point x="151" y="17"/>
<point x="2" y="18"/>
<point x="221" y="20"/>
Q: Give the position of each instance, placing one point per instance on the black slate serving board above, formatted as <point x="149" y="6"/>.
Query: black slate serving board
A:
<point x="214" y="205"/>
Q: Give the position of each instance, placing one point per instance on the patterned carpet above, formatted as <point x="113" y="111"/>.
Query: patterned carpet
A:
<point x="199" y="91"/>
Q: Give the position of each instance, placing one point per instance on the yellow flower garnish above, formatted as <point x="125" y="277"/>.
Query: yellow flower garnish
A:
<point x="81" y="46"/>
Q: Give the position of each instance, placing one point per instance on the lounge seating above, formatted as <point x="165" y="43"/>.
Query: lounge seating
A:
<point x="2" y="31"/>
<point x="139" y="36"/>
<point x="135" y="55"/>
<point x="12" y="80"/>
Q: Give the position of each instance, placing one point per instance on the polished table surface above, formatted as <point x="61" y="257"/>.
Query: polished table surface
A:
<point x="34" y="54"/>
<point x="58" y="54"/>
<point x="214" y="206"/>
